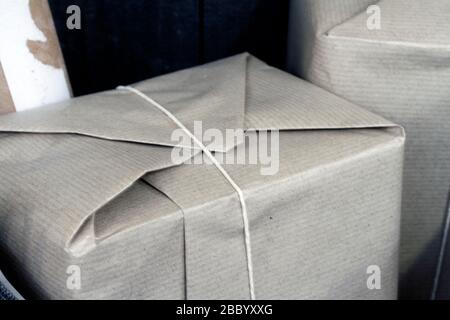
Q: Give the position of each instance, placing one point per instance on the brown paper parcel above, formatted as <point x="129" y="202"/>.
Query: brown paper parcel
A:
<point x="400" y="71"/>
<point x="90" y="184"/>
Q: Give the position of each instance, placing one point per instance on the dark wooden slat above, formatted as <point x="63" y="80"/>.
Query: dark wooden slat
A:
<point x="123" y="42"/>
<point x="126" y="41"/>
<point x="256" y="26"/>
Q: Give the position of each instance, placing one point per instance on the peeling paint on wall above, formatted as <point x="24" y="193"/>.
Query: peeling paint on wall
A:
<point x="6" y="103"/>
<point x="48" y="52"/>
<point x="30" y="55"/>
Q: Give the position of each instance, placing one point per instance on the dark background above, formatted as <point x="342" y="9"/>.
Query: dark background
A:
<point x="121" y="42"/>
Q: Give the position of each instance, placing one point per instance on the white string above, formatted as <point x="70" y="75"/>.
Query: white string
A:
<point x="437" y="275"/>
<point x="221" y="169"/>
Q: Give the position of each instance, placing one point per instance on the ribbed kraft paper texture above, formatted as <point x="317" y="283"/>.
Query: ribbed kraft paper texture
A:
<point x="401" y="72"/>
<point x="89" y="183"/>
